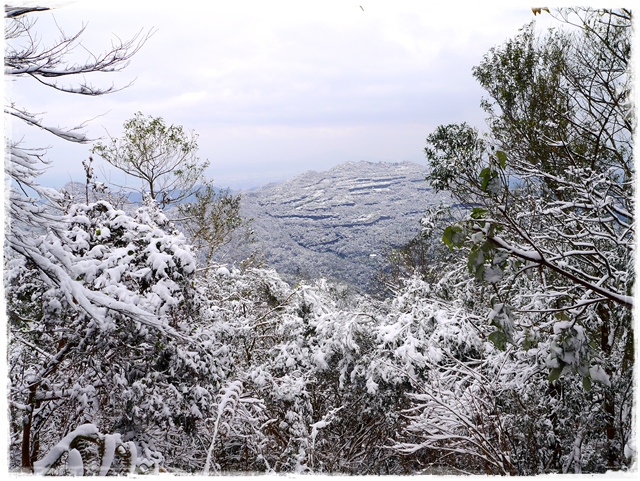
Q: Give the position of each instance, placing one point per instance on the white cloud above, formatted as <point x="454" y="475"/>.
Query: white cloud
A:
<point x="273" y="84"/>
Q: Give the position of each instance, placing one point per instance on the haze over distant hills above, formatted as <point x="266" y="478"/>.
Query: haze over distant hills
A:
<point x="335" y="224"/>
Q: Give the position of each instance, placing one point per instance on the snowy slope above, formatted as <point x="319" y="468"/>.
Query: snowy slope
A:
<point x="335" y="224"/>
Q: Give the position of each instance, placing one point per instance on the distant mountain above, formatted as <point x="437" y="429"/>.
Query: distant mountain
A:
<point x="127" y="200"/>
<point x="335" y="224"/>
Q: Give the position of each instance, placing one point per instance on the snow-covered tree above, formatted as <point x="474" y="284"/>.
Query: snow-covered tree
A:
<point x="549" y="236"/>
<point x="482" y="409"/>
<point x="306" y="400"/>
<point x="29" y="204"/>
<point x="511" y="355"/>
<point x="97" y="300"/>
<point x="153" y="376"/>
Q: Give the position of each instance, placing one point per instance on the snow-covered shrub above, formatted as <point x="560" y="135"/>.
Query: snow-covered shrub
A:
<point x="302" y="356"/>
<point x="153" y="377"/>
<point x="490" y="407"/>
<point x="86" y="451"/>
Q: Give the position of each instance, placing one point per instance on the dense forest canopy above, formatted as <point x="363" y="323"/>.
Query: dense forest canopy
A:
<point x="504" y="345"/>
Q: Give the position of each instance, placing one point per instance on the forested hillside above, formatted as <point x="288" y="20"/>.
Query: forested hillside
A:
<point x="508" y="348"/>
<point x="336" y="224"/>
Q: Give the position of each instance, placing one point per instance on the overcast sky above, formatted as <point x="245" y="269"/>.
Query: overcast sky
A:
<point x="275" y="88"/>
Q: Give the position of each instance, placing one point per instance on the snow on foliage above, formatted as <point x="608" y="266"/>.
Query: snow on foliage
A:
<point x="100" y="452"/>
<point x="512" y="355"/>
<point x="110" y="369"/>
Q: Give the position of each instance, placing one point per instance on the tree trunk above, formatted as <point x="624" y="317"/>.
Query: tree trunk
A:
<point x="27" y="458"/>
<point x="609" y="394"/>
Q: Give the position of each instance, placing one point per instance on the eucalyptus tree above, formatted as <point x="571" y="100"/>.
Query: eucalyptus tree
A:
<point x="212" y="220"/>
<point x="162" y="157"/>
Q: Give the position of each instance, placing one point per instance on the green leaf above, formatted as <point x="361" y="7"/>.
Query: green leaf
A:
<point x="475" y="263"/>
<point x="529" y="341"/>
<point x="499" y="339"/>
<point x="453" y="236"/>
<point x="479" y="273"/>
<point x="561" y="316"/>
<point x="502" y="158"/>
<point x="486" y="176"/>
<point x="555" y="373"/>
<point x="478" y="213"/>
<point x="586" y="383"/>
